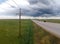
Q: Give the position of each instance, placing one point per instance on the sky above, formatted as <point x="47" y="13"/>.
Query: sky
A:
<point x="35" y="8"/>
<point x="42" y="8"/>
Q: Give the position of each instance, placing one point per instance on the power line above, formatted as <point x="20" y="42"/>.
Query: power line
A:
<point x="11" y="5"/>
<point x="15" y="3"/>
<point x="17" y="6"/>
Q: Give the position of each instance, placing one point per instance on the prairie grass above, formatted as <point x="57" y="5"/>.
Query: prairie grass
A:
<point x="9" y="31"/>
<point x="24" y="32"/>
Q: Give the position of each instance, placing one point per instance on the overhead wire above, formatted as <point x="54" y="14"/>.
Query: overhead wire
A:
<point x="15" y="3"/>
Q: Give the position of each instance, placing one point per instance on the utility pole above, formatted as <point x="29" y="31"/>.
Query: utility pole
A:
<point x="20" y="23"/>
<point x="19" y="19"/>
<point x="20" y="14"/>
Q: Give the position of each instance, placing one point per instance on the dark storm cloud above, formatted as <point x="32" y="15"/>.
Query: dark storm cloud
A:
<point x="42" y="8"/>
<point x="33" y="1"/>
<point x="43" y="11"/>
<point x="39" y="5"/>
<point x="41" y="1"/>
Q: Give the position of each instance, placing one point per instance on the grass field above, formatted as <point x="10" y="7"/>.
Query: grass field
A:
<point x="51" y="20"/>
<point x="9" y="32"/>
<point x="25" y="33"/>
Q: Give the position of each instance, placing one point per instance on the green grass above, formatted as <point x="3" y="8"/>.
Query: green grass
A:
<point x="26" y="32"/>
<point x="9" y="32"/>
<point x="51" y="20"/>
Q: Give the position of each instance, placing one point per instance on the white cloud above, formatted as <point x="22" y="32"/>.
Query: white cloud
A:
<point x="30" y="17"/>
<point x="5" y="8"/>
<point x="27" y="17"/>
<point x="9" y="17"/>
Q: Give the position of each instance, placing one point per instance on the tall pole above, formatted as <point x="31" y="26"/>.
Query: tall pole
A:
<point x="20" y="23"/>
<point x="20" y="14"/>
<point x="19" y="19"/>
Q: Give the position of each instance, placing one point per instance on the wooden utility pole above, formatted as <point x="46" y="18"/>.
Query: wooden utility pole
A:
<point x="20" y="23"/>
<point x="20" y="14"/>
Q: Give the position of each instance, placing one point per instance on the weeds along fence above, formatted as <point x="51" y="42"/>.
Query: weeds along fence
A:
<point x="26" y="32"/>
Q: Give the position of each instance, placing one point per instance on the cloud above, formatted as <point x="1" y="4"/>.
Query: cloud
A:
<point x="31" y="7"/>
<point x="9" y="17"/>
<point x="9" y="8"/>
<point x="42" y="7"/>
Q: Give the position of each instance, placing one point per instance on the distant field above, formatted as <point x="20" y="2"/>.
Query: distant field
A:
<point x="30" y="33"/>
<point x="9" y="32"/>
<point x="51" y="20"/>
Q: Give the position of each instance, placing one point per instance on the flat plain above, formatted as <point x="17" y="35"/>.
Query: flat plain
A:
<point x="24" y="32"/>
<point x="9" y="31"/>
